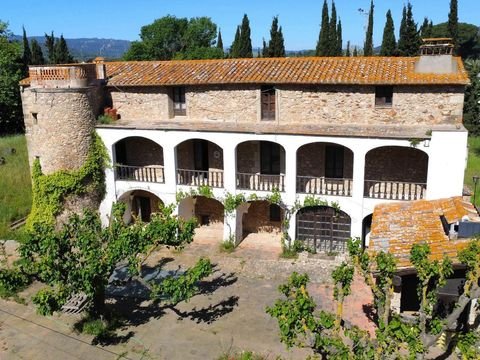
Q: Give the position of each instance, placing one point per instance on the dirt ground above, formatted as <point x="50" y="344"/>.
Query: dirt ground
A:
<point x="228" y="314"/>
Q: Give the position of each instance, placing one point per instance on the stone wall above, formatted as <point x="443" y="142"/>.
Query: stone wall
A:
<point x="248" y="158"/>
<point x="396" y="163"/>
<point x="61" y="133"/>
<point x="257" y="219"/>
<point x="311" y="161"/>
<point x="355" y="104"/>
<point x="142" y="152"/>
<point x="142" y="103"/>
<point x="296" y="104"/>
<point x="185" y="156"/>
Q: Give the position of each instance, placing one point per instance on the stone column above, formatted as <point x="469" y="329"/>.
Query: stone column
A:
<point x="357" y="193"/>
<point x="290" y="175"/>
<point x="229" y="168"/>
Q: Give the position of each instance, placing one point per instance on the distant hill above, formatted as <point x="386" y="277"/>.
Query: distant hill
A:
<point x="88" y="48"/>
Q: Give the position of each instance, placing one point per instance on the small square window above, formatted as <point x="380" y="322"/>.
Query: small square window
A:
<point x="275" y="212"/>
<point x="35" y="118"/>
<point x="383" y="96"/>
<point x="179" y="104"/>
<point x="268" y="102"/>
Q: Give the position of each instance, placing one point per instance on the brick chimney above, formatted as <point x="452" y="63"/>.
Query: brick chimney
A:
<point x="436" y="57"/>
<point x="100" y="67"/>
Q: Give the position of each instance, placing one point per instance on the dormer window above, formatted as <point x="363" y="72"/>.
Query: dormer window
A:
<point x="383" y="96"/>
<point x="268" y="103"/>
<point x="179" y="105"/>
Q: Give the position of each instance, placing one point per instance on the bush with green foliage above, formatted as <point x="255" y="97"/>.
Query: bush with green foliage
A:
<point x="12" y="281"/>
<point x="329" y="335"/>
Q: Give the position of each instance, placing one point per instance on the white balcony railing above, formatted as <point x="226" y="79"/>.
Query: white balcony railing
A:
<point x="394" y="190"/>
<point x="324" y="186"/>
<point x="260" y="182"/>
<point x="213" y="178"/>
<point x="152" y="173"/>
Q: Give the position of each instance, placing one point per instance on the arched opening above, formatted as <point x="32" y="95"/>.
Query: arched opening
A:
<point x="366" y="228"/>
<point x="209" y="214"/>
<point x="140" y="205"/>
<point x="324" y="169"/>
<point x="323" y="229"/>
<point x="261" y="224"/>
<point x="199" y="163"/>
<point x="396" y="173"/>
<point x="138" y="159"/>
<point x="260" y="166"/>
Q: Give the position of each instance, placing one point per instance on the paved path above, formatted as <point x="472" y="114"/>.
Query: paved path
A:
<point x="230" y="314"/>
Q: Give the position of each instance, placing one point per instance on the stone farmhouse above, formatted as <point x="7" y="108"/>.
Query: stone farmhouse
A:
<point x="354" y="132"/>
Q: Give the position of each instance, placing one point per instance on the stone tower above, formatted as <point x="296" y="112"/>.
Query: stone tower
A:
<point x="60" y="106"/>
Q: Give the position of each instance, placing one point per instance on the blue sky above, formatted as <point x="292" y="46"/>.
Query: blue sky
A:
<point x="122" y="19"/>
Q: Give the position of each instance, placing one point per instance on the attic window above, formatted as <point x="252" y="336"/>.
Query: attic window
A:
<point x="383" y="96"/>
<point x="35" y="118"/>
<point x="268" y="103"/>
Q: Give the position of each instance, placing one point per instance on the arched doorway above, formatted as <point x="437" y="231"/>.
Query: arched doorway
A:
<point x="209" y="214"/>
<point x="366" y="228"/>
<point x="140" y="205"/>
<point x="138" y="159"/>
<point x="396" y="173"/>
<point x="323" y="228"/>
<point x="324" y="169"/>
<point x="199" y="163"/>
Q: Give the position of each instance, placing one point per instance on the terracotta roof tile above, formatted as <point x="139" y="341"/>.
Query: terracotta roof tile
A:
<point x="308" y="70"/>
<point x="397" y="227"/>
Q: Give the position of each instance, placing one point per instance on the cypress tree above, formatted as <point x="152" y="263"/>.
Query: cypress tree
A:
<point x="219" y="40"/>
<point x="453" y="22"/>
<point x="62" y="53"/>
<point x="339" y="51"/>
<point x="264" y="48"/>
<point x="355" y="51"/>
<point x="412" y="38"/>
<point x="347" y="52"/>
<point x="426" y="29"/>
<point x="368" y="47"/>
<point x="276" y="46"/>
<point x="37" y="54"/>
<point x="245" y="43"/>
<point x="388" y="43"/>
<point x="50" y="45"/>
<point x="27" y="54"/>
<point x="236" y="43"/>
<point x="323" y="38"/>
<point x="332" y="33"/>
<point x="403" y="27"/>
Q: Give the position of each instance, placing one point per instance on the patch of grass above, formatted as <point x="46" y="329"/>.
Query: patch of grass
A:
<point x="15" y="184"/>
<point x="292" y="251"/>
<point x="227" y="246"/>
<point x="100" y="328"/>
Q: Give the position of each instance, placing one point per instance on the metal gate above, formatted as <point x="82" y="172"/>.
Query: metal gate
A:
<point x="322" y="228"/>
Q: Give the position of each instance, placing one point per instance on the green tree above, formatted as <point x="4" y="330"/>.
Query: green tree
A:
<point x="37" y="54"/>
<point x="62" y="53"/>
<point x="409" y="42"/>
<point x="332" y="32"/>
<point x="245" y="42"/>
<point x="302" y="325"/>
<point x="264" y="52"/>
<point x="403" y="28"/>
<point x="324" y="37"/>
<point x="347" y="51"/>
<point x="27" y="53"/>
<point x="11" y="117"/>
<point x="368" y="47"/>
<point x="339" y="51"/>
<point x="468" y="45"/>
<point x="81" y="256"/>
<point x="426" y="29"/>
<point x="355" y="52"/>
<point x="453" y="22"/>
<point x="50" y="45"/>
<point x="276" y="46"/>
<point x="219" y="40"/>
<point x="471" y="109"/>
<point x="389" y="44"/>
<point x="234" y="49"/>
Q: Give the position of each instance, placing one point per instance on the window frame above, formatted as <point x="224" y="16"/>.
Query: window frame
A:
<point x="384" y="96"/>
<point x="179" y="101"/>
<point x="268" y="103"/>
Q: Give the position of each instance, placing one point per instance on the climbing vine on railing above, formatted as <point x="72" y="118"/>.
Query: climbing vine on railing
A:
<point x="50" y="191"/>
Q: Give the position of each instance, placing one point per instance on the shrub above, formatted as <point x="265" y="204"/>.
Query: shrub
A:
<point x="49" y="300"/>
<point x="227" y="246"/>
<point x="11" y="282"/>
